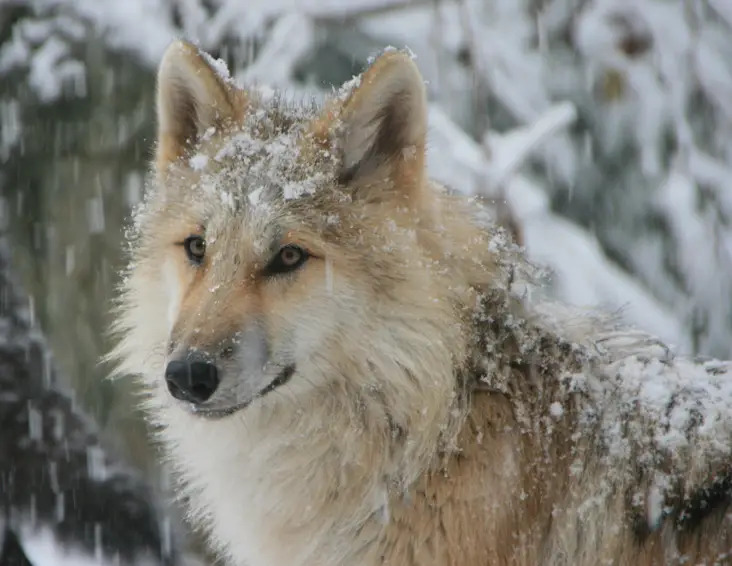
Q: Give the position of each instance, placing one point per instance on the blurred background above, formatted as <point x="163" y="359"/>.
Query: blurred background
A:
<point x="600" y="131"/>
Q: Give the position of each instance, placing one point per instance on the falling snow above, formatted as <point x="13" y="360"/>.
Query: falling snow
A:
<point x="598" y="133"/>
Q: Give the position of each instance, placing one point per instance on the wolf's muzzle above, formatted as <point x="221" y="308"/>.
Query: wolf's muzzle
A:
<point x="193" y="379"/>
<point x="214" y="413"/>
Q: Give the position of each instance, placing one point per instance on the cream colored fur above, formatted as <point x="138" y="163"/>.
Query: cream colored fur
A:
<point x="432" y="419"/>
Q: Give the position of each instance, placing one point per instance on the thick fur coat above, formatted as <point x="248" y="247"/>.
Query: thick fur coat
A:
<point x="385" y="395"/>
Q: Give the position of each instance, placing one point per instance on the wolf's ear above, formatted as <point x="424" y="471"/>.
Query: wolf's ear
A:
<point x="192" y="96"/>
<point x="383" y="125"/>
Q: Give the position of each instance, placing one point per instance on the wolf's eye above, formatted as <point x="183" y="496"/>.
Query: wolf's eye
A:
<point x="195" y="247"/>
<point x="289" y="258"/>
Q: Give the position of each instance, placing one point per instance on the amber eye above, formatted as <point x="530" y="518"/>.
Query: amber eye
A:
<point x="290" y="255"/>
<point x="195" y="247"/>
<point x="289" y="258"/>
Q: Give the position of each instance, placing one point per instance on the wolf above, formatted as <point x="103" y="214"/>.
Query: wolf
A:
<point x="345" y="366"/>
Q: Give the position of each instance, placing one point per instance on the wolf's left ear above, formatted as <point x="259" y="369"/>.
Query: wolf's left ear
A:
<point x="383" y="124"/>
<point x="192" y="97"/>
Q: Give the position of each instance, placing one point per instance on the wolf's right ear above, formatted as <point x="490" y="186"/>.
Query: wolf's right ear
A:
<point x="192" y="96"/>
<point x="383" y="126"/>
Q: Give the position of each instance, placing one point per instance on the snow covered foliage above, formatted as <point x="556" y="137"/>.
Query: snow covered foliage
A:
<point x="624" y="199"/>
<point x="63" y="499"/>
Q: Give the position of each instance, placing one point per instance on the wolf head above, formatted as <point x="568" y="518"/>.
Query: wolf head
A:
<point x="287" y="254"/>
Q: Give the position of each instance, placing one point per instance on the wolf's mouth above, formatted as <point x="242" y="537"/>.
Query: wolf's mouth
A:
<point x="217" y="413"/>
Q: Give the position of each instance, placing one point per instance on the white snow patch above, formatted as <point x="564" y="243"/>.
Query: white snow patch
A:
<point x="10" y="127"/>
<point x="43" y="548"/>
<point x="50" y="70"/>
<point x="556" y="410"/>
<point x="348" y="87"/>
<point x="218" y="65"/>
<point x="296" y="190"/>
<point x="255" y="196"/>
<point x="198" y="162"/>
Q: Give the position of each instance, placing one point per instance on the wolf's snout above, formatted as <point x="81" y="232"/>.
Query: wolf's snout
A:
<point x="192" y="380"/>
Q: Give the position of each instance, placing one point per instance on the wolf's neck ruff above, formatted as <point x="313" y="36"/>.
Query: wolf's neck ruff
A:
<point x="431" y="418"/>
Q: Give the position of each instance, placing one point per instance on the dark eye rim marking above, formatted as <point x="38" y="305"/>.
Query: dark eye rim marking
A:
<point x="278" y="266"/>
<point x="195" y="257"/>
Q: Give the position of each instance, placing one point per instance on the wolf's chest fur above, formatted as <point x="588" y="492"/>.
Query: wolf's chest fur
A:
<point x="512" y="493"/>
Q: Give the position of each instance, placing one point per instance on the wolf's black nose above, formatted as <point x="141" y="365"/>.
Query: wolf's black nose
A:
<point x="191" y="380"/>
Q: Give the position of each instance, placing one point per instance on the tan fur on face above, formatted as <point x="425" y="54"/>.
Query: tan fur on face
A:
<point x="433" y="419"/>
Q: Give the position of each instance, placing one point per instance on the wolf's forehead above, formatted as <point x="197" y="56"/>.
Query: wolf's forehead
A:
<point x="271" y="159"/>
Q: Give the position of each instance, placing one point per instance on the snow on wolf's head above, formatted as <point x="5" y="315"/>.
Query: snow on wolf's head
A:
<point x="289" y="255"/>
